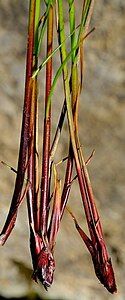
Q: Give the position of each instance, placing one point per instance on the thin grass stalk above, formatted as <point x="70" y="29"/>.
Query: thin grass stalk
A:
<point x="101" y="260"/>
<point x="32" y="168"/>
<point x="47" y="131"/>
<point x="58" y="132"/>
<point x="64" y="109"/>
<point x="66" y="82"/>
<point x="56" y="211"/>
<point x="75" y="87"/>
<point x="68" y="101"/>
<point x="69" y="168"/>
<point x="72" y="26"/>
<point x="52" y="54"/>
<point x="42" y="237"/>
<point x="42" y="258"/>
<point x="74" y="92"/>
<point x="67" y="94"/>
<point x="59" y="206"/>
<point x="36" y="199"/>
<point x="37" y="18"/>
<point x="11" y="218"/>
<point x="74" y="45"/>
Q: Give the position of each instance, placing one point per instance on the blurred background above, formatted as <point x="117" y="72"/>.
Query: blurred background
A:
<point x="102" y="127"/>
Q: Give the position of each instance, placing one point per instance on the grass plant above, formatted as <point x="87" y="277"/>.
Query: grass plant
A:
<point x="46" y="194"/>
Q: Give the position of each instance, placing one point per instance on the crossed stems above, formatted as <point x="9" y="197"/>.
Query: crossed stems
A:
<point x="96" y="246"/>
<point x="42" y="233"/>
<point x="41" y="242"/>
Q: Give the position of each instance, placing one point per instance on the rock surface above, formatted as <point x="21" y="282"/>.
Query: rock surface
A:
<point x="102" y="127"/>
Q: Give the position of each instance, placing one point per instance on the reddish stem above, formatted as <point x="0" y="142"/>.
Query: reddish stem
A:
<point x="67" y="183"/>
<point x="47" y="130"/>
<point x="10" y="221"/>
<point x="31" y="197"/>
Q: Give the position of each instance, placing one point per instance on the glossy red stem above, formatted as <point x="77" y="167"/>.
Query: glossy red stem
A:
<point x="46" y="135"/>
<point x="10" y="221"/>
